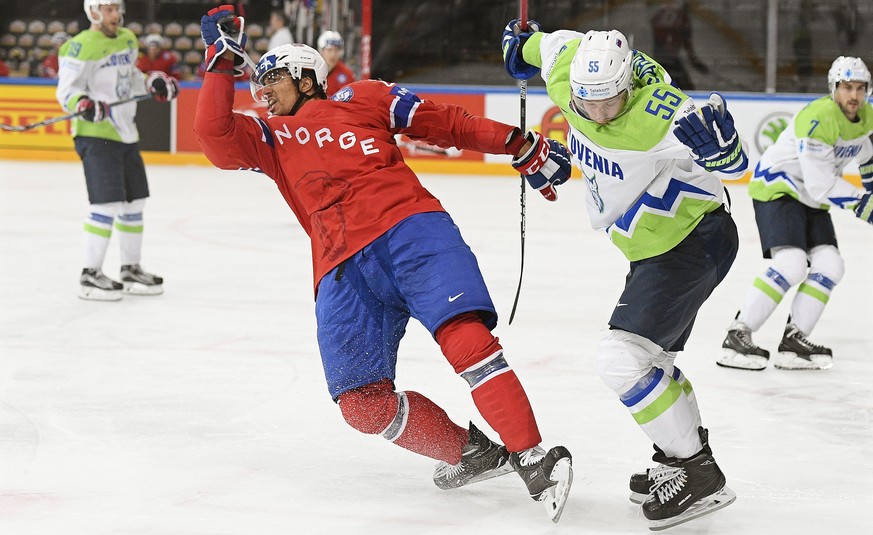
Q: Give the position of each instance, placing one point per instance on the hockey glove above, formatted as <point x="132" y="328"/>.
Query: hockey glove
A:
<point x="92" y="110"/>
<point x="221" y="30"/>
<point x="864" y="210"/>
<point x="545" y="165"/>
<point x="867" y="175"/>
<point x="513" y="42"/>
<point x="712" y="138"/>
<point x="161" y="86"/>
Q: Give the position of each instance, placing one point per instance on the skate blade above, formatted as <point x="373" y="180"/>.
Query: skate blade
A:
<point x="137" y="288"/>
<point x="732" y="359"/>
<point x="501" y="470"/>
<point x="790" y="361"/>
<point x="89" y="293"/>
<point x="637" y="498"/>
<point x="710" y="504"/>
<point x="555" y="497"/>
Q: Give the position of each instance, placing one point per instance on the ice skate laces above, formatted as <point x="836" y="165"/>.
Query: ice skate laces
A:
<point x="799" y="337"/>
<point x="531" y="456"/>
<point x="744" y="337"/>
<point x="667" y="481"/>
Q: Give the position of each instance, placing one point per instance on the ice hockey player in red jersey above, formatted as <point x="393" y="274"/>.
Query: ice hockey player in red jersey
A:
<point x="331" y="46"/>
<point x="384" y="250"/>
<point x="156" y="58"/>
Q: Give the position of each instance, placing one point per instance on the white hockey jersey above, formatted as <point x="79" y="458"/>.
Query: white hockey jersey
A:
<point x="809" y="156"/>
<point x="646" y="191"/>
<point x="104" y="69"/>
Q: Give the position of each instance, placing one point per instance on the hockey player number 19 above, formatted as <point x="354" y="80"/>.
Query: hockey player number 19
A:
<point x="666" y="108"/>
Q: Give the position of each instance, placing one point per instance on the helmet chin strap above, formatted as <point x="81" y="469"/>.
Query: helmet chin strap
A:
<point x="301" y="97"/>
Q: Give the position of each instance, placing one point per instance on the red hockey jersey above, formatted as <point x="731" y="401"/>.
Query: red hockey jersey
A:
<point x="166" y="62"/>
<point x="339" y="76"/>
<point x="336" y="162"/>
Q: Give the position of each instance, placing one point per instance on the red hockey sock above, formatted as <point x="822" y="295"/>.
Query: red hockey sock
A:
<point x="476" y="356"/>
<point x="407" y="419"/>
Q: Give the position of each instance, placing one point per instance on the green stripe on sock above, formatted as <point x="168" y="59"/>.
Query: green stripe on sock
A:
<point x="660" y="405"/>
<point x="813" y="292"/>
<point x="105" y="232"/>
<point x="129" y="228"/>
<point x="687" y="387"/>
<point x="767" y="289"/>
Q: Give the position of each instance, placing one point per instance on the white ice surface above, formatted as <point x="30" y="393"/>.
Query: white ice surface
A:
<point x="204" y="410"/>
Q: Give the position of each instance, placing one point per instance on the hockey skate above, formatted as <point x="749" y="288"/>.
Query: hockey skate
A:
<point x="798" y="353"/>
<point x="139" y="282"/>
<point x="481" y="459"/>
<point x="548" y="476"/>
<point x="95" y="286"/>
<point x="738" y="350"/>
<point x="685" y="489"/>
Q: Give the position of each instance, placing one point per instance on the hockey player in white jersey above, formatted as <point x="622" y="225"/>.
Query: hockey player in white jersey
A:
<point x="97" y="68"/>
<point x="797" y="181"/>
<point x="653" y="165"/>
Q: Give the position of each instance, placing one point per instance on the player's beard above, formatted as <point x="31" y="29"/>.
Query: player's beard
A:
<point x="109" y="30"/>
<point x="850" y="109"/>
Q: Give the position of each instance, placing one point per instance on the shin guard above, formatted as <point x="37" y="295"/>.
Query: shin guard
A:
<point x="407" y="419"/>
<point x="477" y="357"/>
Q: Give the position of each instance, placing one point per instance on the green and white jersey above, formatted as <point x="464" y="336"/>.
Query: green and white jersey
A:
<point x="808" y="158"/>
<point x="104" y="69"/>
<point x="646" y="191"/>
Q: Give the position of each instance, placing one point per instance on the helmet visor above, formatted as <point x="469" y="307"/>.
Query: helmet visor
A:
<point x="600" y="111"/>
<point x="269" y="78"/>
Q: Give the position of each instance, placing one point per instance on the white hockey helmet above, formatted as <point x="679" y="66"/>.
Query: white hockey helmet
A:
<point x="59" y="38"/>
<point x="332" y="39"/>
<point x="295" y="58"/>
<point x="601" y="68"/>
<point x="92" y="9"/>
<point x="848" y="69"/>
<point x="153" y="39"/>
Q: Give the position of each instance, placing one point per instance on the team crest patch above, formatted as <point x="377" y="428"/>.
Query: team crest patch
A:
<point x="343" y="95"/>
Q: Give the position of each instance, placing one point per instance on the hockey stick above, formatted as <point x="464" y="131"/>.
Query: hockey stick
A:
<point x="522" y="119"/>
<point x="53" y="120"/>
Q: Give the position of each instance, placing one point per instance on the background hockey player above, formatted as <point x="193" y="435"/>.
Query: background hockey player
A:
<point x="385" y="250"/>
<point x="331" y="46"/>
<point x="658" y="194"/>
<point x="157" y="58"/>
<point x="97" y="68"/>
<point x="797" y="181"/>
<point x="50" y="65"/>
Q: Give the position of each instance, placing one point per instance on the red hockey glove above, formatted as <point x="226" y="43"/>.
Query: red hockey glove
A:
<point x="92" y="110"/>
<point x="546" y="164"/>
<point x="161" y="86"/>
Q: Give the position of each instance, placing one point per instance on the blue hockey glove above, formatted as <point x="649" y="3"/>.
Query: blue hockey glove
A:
<point x="712" y="138"/>
<point x="92" y="110"/>
<point x="161" y="86"/>
<point x="545" y="165"/>
<point x="513" y="41"/>
<point x="221" y="30"/>
<point x="867" y="175"/>
<point x="864" y="210"/>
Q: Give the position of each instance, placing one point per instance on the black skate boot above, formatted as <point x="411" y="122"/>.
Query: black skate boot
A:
<point x="739" y="351"/>
<point x="685" y="489"/>
<point x="641" y="483"/>
<point x="548" y="476"/>
<point x="798" y="353"/>
<point x="95" y="286"/>
<point x="139" y="282"/>
<point x="481" y="459"/>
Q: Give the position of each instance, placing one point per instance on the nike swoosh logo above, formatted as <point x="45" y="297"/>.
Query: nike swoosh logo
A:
<point x="452" y="298"/>
<point x="621" y="305"/>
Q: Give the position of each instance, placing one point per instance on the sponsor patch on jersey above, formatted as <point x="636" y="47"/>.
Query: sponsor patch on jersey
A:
<point x="343" y="95"/>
